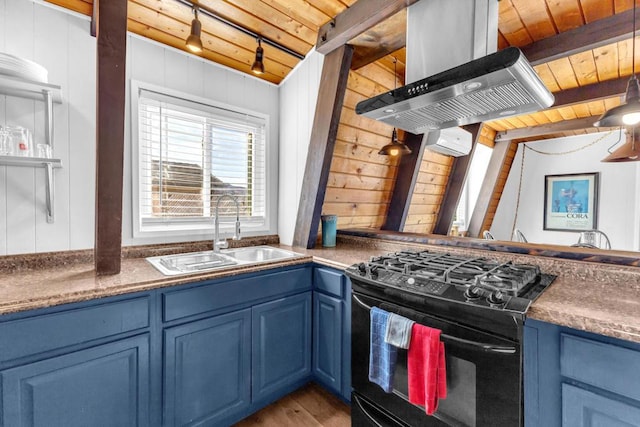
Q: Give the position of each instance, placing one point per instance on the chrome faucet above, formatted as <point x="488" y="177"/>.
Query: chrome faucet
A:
<point x="223" y="244"/>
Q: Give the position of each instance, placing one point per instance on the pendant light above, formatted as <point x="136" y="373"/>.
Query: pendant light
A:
<point x="627" y="114"/>
<point x="258" y="65"/>
<point x="194" y="44"/>
<point x="396" y="147"/>
<point x="627" y="152"/>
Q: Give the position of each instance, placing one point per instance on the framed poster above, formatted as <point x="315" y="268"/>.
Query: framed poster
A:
<point x="571" y="202"/>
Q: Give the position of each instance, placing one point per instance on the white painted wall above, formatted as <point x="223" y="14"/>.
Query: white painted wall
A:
<point x="61" y="42"/>
<point x="298" y="95"/>
<point x="618" y="196"/>
<point x="154" y="63"/>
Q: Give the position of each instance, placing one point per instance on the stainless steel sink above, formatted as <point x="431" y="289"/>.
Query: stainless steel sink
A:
<point x="257" y="254"/>
<point x="171" y="265"/>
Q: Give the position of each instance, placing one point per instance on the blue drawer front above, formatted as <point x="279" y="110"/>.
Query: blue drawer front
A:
<point x="606" y="366"/>
<point x="328" y="281"/>
<point x="43" y="333"/>
<point x="105" y="386"/>
<point x="209" y="298"/>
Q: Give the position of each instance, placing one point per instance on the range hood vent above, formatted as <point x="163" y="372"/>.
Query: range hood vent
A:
<point x="495" y="86"/>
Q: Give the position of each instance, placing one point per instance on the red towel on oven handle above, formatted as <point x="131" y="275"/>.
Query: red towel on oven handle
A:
<point x="426" y="368"/>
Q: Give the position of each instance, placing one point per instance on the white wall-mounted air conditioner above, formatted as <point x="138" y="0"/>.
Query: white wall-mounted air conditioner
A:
<point x="454" y="142"/>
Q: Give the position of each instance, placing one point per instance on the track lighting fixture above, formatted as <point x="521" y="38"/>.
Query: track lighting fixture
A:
<point x="194" y="44"/>
<point x="258" y="65"/>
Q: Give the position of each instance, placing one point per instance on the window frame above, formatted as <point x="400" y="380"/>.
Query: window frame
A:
<point x="175" y="227"/>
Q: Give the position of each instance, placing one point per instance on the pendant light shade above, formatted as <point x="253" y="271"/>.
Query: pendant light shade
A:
<point x="627" y="152"/>
<point x="627" y="114"/>
<point x="194" y="43"/>
<point x="395" y="148"/>
<point x="258" y="65"/>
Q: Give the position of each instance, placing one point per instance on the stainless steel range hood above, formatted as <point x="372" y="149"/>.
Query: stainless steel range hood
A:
<point x="499" y="85"/>
<point x="442" y="35"/>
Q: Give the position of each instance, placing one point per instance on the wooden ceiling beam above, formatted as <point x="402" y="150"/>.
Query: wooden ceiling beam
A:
<point x="546" y="129"/>
<point x="333" y="85"/>
<point x="408" y="170"/>
<point x="587" y="37"/>
<point x="110" y="114"/>
<point x="355" y="20"/>
<point x="592" y="92"/>
<point x="455" y="184"/>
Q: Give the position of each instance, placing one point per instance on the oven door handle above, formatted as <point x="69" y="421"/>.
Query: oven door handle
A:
<point x="504" y="349"/>
<point x="369" y="415"/>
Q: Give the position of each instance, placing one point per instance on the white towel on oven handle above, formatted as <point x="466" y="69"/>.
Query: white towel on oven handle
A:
<point x="398" y="331"/>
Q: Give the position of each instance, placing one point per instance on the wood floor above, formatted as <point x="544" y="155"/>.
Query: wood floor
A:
<point x="308" y="406"/>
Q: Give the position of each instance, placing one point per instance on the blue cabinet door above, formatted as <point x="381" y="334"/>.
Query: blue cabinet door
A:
<point x="581" y="408"/>
<point x="281" y="345"/>
<point x="327" y="340"/>
<point x="207" y="370"/>
<point x="102" y="386"/>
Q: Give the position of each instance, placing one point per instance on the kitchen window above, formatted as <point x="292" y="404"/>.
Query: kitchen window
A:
<point x="189" y="153"/>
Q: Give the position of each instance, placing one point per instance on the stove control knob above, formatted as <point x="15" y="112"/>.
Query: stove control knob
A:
<point x="362" y="268"/>
<point x="496" y="298"/>
<point x="374" y="272"/>
<point x="411" y="281"/>
<point x="473" y="293"/>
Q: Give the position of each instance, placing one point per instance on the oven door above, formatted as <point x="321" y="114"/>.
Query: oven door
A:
<point x="483" y="376"/>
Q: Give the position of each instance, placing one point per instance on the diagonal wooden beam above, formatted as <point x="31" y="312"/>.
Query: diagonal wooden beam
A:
<point x="455" y="184"/>
<point x="111" y="58"/>
<point x="499" y="159"/>
<point x="546" y="129"/>
<point x="587" y="37"/>
<point x="408" y="169"/>
<point x="355" y="20"/>
<point x="333" y="85"/>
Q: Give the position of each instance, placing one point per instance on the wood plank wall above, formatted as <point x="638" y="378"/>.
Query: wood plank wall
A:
<point x="497" y="192"/>
<point x="428" y="192"/>
<point x="361" y="180"/>
<point x="431" y="185"/>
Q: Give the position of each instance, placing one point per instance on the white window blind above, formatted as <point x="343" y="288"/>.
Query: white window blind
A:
<point x="191" y="153"/>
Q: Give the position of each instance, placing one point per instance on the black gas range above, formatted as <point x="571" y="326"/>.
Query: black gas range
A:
<point x="478" y="303"/>
<point x="454" y="286"/>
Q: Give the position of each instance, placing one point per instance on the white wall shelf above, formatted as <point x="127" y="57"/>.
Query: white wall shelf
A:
<point x="15" y="86"/>
<point x="49" y="94"/>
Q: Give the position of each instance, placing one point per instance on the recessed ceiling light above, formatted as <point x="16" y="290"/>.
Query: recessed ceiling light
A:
<point x="389" y="110"/>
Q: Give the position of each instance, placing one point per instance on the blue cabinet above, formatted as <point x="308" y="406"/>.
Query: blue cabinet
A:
<point x="582" y="408"/>
<point x="327" y="339"/>
<point x="573" y="378"/>
<point x="107" y="385"/>
<point x="207" y="370"/>
<point x="281" y="359"/>
<point x="332" y="330"/>
<point x="201" y="354"/>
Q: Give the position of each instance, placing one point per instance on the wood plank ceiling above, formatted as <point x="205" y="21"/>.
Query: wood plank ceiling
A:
<point x="295" y="25"/>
